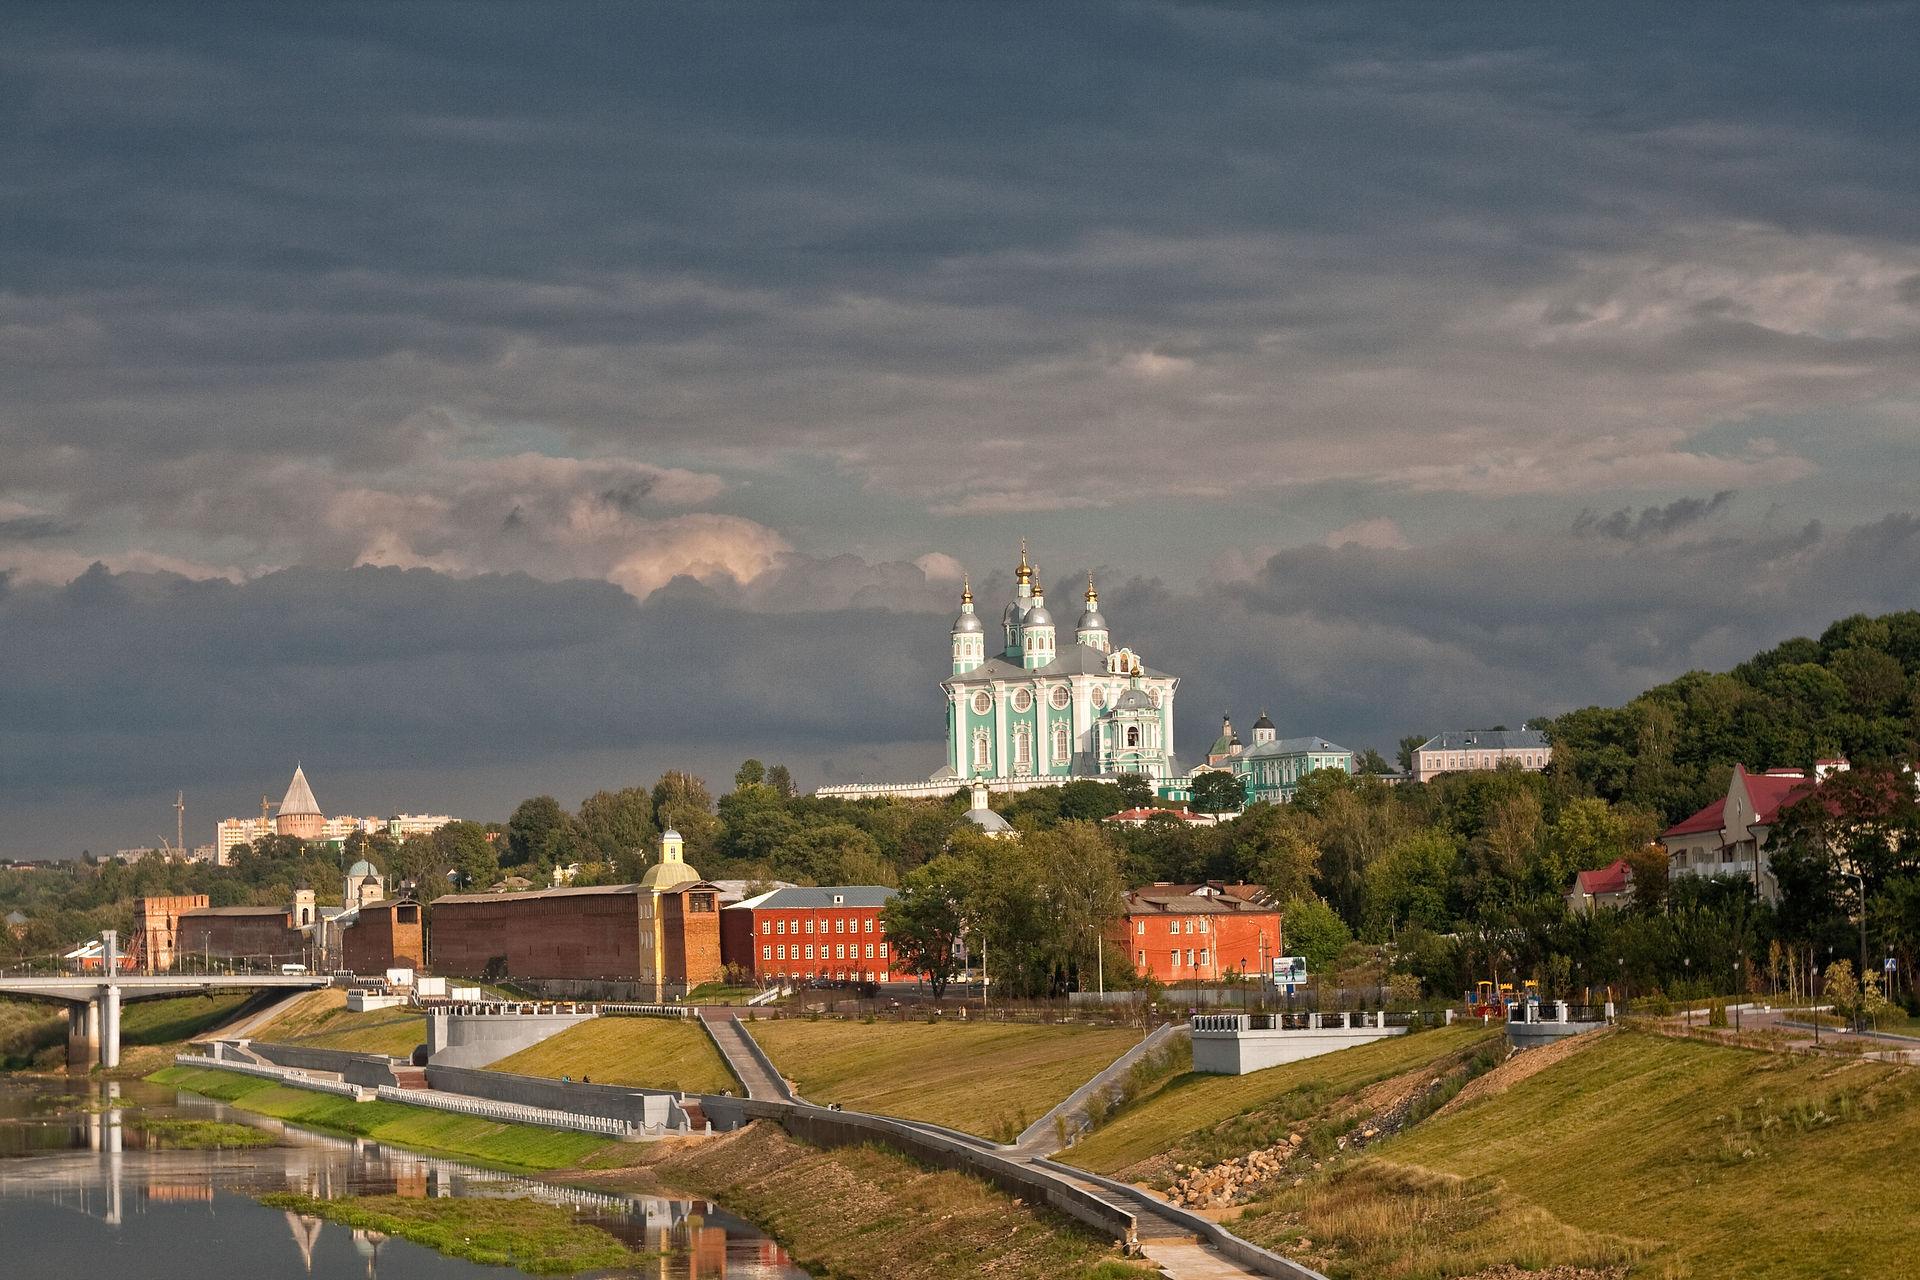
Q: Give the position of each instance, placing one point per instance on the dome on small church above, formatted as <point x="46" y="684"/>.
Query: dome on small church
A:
<point x="1093" y="620"/>
<point x="1037" y="617"/>
<point x="966" y="622"/>
<point x="1263" y="722"/>
<point x="1133" y="700"/>
<point x="361" y="869"/>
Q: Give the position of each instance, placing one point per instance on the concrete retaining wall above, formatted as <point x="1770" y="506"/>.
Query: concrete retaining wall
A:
<point x="1236" y="1052"/>
<point x="338" y="1062"/>
<point x="475" y="1039"/>
<point x="649" y="1107"/>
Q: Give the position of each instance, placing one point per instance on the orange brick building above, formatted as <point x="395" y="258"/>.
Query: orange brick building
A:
<point x="158" y="920"/>
<point x="828" y="934"/>
<point x="384" y="935"/>
<point x="1199" y="933"/>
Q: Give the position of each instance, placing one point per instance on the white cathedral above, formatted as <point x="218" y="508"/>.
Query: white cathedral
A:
<point x="1037" y="712"/>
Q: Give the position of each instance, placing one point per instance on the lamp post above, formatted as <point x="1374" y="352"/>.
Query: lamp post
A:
<point x="1688" y="963"/>
<point x="1861" y="880"/>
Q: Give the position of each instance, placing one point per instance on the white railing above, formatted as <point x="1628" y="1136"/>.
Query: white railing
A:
<point x="647" y="1011"/>
<point x="285" y="1075"/>
<point x="512" y="1112"/>
<point x="769" y="995"/>
<point x="1205" y="1022"/>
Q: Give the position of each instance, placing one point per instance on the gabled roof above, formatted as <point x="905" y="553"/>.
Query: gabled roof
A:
<point x="299" y="798"/>
<point x="1071" y="660"/>
<point x="1293" y="747"/>
<point x="1770" y="793"/>
<point x="822" y="896"/>
<point x="1614" y="878"/>
<point x="1169" y="900"/>
<point x="1486" y="739"/>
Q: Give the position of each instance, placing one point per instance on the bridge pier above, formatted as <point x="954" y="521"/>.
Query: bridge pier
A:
<point x="110" y="1026"/>
<point x="83" y="1033"/>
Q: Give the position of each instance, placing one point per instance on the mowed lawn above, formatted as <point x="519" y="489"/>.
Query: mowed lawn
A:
<point x="1258" y="1105"/>
<point x="321" y="1020"/>
<point x="651" y="1053"/>
<point x="1724" y="1162"/>
<point x="981" y="1077"/>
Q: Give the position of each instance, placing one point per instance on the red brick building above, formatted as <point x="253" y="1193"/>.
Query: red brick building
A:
<point x="260" y="935"/>
<point x="158" y="922"/>
<point x="828" y="934"/>
<point x="384" y="935"/>
<point x="1199" y="933"/>
<point x="642" y="937"/>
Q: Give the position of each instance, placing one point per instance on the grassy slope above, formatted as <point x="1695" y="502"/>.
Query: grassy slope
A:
<point x="860" y="1213"/>
<point x="986" y="1078"/>
<point x="522" y="1146"/>
<point x="653" y="1053"/>
<point x="1727" y="1161"/>
<point x="541" y="1239"/>
<point x="1252" y="1110"/>
<point x="321" y="1020"/>
<point x="35" y="1034"/>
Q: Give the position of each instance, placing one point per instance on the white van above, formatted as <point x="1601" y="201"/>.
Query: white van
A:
<point x="293" y="970"/>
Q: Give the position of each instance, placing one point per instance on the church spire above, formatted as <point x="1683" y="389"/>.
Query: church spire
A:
<point x="1023" y="573"/>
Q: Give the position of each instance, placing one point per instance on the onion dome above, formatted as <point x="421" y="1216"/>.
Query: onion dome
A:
<point x="1263" y="722"/>
<point x="966" y="620"/>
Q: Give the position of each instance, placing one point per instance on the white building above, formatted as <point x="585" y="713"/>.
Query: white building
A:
<point x="1465" y="749"/>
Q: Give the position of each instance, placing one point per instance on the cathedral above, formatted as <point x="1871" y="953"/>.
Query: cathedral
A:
<point x="1037" y="710"/>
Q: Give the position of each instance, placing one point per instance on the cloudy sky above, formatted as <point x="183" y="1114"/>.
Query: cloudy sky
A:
<point x="472" y="401"/>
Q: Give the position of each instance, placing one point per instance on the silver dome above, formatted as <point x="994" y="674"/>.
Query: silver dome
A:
<point x="967" y="622"/>
<point x="1037" y="617"/>
<point x="1093" y="620"/>
<point x="1133" y="700"/>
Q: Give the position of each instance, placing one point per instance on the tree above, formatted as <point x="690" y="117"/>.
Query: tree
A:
<point x="1371" y="761"/>
<point x="1408" y="884"/>
<point x="618" y="825"/>
<point x="1271" y="846"/>
<point x="1409" y="745"/>
<point x="1315" y="930"/>
<point x="926" y="919"/>
<point x="534" y="831"/>
<point x="781" y="781"/>
<point x="1217" y="791"/>
<point x="1136" y="790"/>
<point x="751" y="773"/>
<point x="1841" y="989"/>
<point x="681" y="801"/>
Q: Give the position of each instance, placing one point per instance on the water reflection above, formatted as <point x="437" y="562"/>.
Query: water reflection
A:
<point x="75" y="1151"/>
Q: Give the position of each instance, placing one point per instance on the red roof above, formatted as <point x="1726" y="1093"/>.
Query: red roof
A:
<point x="1610" y="879"/>
<point x="1770" y="793"/>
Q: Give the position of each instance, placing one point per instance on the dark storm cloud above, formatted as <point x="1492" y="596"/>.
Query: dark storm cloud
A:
<point x="1651" y="522"/>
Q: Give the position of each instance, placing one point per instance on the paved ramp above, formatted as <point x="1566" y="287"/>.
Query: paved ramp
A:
<point x="1042" y="1138"/>
<point x="750" y="1065"/>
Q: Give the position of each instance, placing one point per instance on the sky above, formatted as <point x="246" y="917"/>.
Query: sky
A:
<point x="471" y="401"/>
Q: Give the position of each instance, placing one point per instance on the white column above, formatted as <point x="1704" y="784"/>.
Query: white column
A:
<point x="110" y="1027"/>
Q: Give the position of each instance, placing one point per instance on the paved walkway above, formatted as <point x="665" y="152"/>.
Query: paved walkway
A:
<point x="1190" y="1261"/>
<point x="738" y="1049"/>
<point x="1042" y="1137"/>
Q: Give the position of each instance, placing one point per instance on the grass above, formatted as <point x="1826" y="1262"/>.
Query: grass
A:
<point x="720" y="993"/>
<point x="988" y="1078"/>
<point x="34" y="1035"/>
<point x="515" y="1145"/>
<point x="862" y="1213"/>
<point x="651" y="1053"/>
<point x="541" y="1239"/>
<point x="321" y="1020"/>
<point x="1724" y="1161"/>
<point x="203" y="1135"/>
<point x="1372" y="1219"/>
<point x="1206" y="1118"/>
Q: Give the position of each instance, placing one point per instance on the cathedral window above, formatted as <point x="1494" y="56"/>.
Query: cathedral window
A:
<point x="1133" y="736"/>
<point x="1059" y="698"/>
<point x="982" y="703"/>
<point x="982" y="753"/>
<point x="1022" y="700"/>
<point x="1022" y="749"/>
<point x="1060" y="744"/>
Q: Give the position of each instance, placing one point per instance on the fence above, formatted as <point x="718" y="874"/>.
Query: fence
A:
<point x="284" y="1075"/>
<point x="511" y="1112"/>
<point x="647" y="1011"/>
<point x="1218" y="1022"/>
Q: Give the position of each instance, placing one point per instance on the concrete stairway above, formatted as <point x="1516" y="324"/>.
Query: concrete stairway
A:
<point x="410" y="1077"/>
<point x="762" y="1084"/>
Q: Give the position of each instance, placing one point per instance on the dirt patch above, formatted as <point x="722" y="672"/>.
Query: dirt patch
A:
<point x="1550" y="1273"/>
<point x="1518" y="1067"/>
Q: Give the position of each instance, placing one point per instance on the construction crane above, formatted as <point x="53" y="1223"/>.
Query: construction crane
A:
<point x="180" y="821"/>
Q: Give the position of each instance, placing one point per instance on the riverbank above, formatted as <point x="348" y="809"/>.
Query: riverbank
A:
<point x="540" y="1239"/>
<point x="516" y="1146"/>
<point x="865" y="1213"/>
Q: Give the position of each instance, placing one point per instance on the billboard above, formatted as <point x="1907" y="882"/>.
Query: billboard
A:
<point x="1290" y="969"/>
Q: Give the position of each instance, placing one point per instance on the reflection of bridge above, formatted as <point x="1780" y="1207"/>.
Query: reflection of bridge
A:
<point x="93" y="1001"/>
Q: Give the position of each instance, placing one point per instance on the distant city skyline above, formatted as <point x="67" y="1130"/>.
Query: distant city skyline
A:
<point x="475" y="402"/>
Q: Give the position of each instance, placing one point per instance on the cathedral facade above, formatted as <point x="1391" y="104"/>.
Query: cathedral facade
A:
<point x="1030" y="701"/>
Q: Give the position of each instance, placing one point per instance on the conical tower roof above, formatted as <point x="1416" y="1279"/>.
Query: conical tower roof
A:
<point x="299" y="798"/>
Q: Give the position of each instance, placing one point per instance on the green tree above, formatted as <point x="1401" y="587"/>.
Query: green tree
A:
<point x="1408" y="884"/>
<point x="535" y="831"/>
<point x="1410" y="745"/>
<point x="751" y="773"/>
<point x="781" y="781"/>
<point x="1217" y="791"/>
<point x="1311" y="928"/>
<point x="927" y="918"/>
<point x="618" y="826"/>
<point x="1371" y="761"/>
<point x="1136" y="790"/>
<point x="681" y="801"/>
<point x="1271" y="845"/>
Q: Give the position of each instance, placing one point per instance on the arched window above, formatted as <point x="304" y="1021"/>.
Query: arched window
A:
<point x="1022" y="748"/>
<point x="981" y="756"/>
<point x="1060" y="744"/>
<point x="1133" y="736"/>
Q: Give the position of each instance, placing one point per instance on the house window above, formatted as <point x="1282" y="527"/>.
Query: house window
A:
<point x="839" y="925"/>
<point x="783" y="951"/>
<point x="1203" y="957"/>
<point x="869" y="924"/>
<point x="1140" y="927"/>
<point x="883" y="951"/>
<point x="766" y="953"/>
<point x="766" y="926"/>
<point x="780" y="927"/>
<point x="809" y="924"/>
<point x="809" y="951"/>
<point x="1174" y="958"/>
<point x="1189" y="955"/>
<point x="869" y="951"/>
<point x="1143" y="959"/>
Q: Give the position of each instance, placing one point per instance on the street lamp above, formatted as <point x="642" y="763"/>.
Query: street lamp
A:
<point x="1861" y="880"/>
<point x="1688" y="962"/>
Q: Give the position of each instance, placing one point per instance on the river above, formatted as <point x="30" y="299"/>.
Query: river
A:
<point x="84" y="1191"/>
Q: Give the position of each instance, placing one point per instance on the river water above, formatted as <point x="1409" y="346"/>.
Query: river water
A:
<point x="84" y="1191"/>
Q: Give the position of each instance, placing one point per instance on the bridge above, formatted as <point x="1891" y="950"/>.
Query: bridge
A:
<point x="93" y="1000"/>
